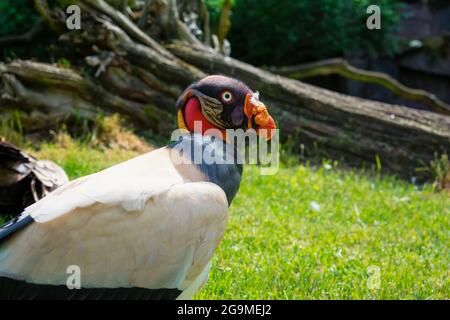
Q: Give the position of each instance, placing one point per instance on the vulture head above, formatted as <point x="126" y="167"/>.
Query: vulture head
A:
<point x="223" y="103"/>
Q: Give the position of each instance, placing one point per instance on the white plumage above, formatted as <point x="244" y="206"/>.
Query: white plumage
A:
<point x="127" y="226"/>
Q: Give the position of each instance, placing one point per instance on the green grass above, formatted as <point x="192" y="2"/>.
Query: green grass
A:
<point x="278" y="247"/>
<point x="316" y="234"/>
<point x="79" y="159"/>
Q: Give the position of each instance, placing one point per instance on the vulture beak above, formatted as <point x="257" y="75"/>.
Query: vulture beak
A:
<point x="258" y="117"/>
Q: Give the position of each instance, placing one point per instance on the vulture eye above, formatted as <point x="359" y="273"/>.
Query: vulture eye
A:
<point x="227" y="96"/>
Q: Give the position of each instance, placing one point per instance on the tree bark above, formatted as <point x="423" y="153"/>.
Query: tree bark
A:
<point x="342" y="67"/>
<point x="117" y="67"/>
<point x="346" y="126"/>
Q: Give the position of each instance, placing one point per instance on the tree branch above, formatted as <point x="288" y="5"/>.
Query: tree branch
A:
<point x="24" y="38"/>
<point x="128" y="26"/>
<point x="343" y="68"/>
<point x="46" y="14"/>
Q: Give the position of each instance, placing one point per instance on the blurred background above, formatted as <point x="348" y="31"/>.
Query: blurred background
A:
<point x="412" y="46"/>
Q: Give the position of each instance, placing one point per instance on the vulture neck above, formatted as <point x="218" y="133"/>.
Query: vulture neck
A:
<point x="223" y="172"/>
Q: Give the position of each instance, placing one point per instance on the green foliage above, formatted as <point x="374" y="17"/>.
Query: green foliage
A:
<point x="214" y="8"/>
<point x="11" y="128"/>
<point x="439" y="170"/>
<point x="16" y="18"/>
<point x="280" y="32"/>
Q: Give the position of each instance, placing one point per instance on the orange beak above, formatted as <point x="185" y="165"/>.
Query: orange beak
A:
<point x="265" y="125"/>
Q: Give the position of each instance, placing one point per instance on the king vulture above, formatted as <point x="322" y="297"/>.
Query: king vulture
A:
<point x="146" y="228"/>
<point x="24" y="179"/>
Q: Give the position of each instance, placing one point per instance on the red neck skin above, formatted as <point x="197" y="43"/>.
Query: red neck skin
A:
<point x="192" y="113"/>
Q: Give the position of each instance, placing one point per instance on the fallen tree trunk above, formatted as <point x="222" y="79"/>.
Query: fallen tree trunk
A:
<point x="119" y="68"/>
<point x="343" y="68"/>
<point x="51" y="95"/>
<point x="349" y="126"/>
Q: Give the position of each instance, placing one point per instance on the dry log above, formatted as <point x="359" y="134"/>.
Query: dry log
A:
<point x="347" y="126"/>
<point x="342" y="67"/>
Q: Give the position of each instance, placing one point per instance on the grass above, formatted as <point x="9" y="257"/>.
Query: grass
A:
<point x="316" y="233"/>
<point x="319" y="234"/>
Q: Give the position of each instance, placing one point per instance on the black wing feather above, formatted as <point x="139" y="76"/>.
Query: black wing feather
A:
<point x="11" y="289"/>
<point x="14" y="225"/>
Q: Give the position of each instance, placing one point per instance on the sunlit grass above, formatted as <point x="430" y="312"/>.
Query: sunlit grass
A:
<point x="79" y="159"/>
<point x="316" y="234"/>
<point x="320" y="234"/>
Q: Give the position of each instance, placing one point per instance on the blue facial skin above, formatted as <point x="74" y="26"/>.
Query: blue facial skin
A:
<point x="225" y="175"/>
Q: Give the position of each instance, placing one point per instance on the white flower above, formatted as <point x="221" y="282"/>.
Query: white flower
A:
<point x="315" y="206"/>
<point x="415" y="43"/>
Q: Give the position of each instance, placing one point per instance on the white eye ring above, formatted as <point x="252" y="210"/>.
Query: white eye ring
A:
<point x="227" y="96"/>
